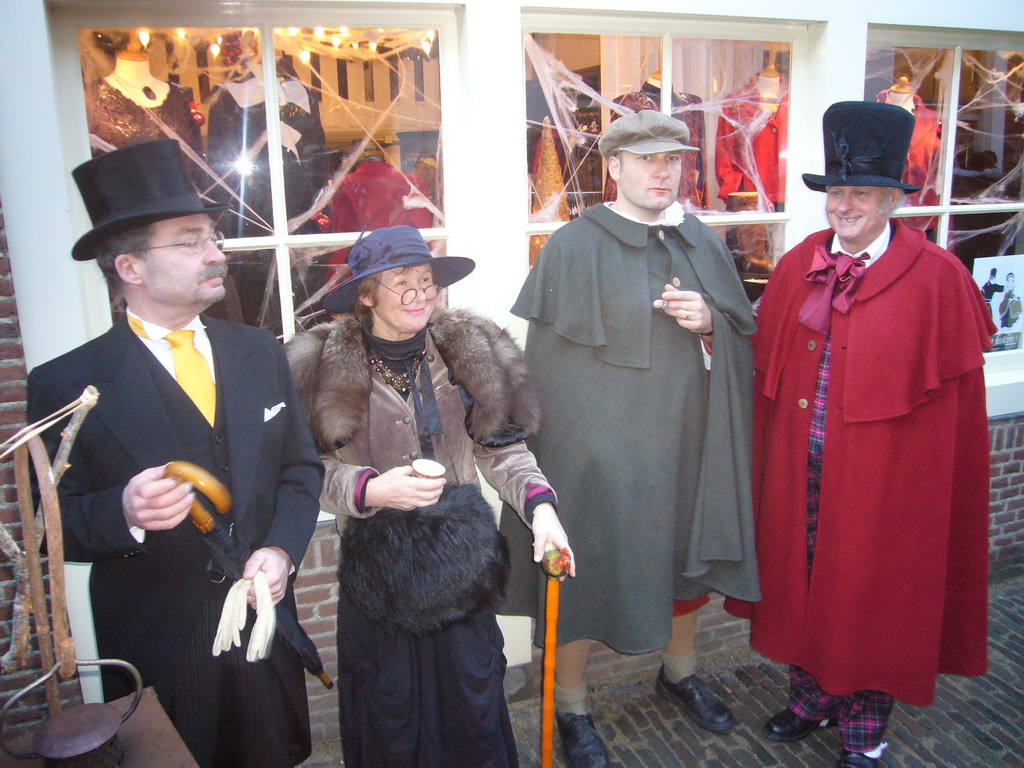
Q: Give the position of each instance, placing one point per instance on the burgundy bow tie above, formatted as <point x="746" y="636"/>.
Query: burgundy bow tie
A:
<point x="836" y="277"/>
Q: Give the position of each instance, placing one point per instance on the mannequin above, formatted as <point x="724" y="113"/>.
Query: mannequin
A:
<point x="753" y="126"/>
<point x="925" y="144"/>
<point x="131" y="105"/>
<point x="238" y="122"/>
<point x="131" y="76"/>
<point x="901" y="94"/>
<point x="769" y="87"/>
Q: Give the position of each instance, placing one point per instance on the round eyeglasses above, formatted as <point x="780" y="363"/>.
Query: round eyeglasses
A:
<point x="409" y="296"/>
<point x="196" y="244"/>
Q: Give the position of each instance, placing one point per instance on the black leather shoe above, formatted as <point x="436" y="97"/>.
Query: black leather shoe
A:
<point x="699" y="703"/>
<point x="582" y="745"/>
<point x="857" y="760"/>
<point x="787" y="726"/>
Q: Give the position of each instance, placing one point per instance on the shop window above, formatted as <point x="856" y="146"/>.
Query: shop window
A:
<point x="732" y="95"/>
<point x="917" y="79"/>
<point x="354" y="143"/>
<point x="979" y="202"/>
<point x="986" y="132"/>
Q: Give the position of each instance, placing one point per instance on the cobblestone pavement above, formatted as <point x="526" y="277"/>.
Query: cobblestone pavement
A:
<point x="974" y="722"/>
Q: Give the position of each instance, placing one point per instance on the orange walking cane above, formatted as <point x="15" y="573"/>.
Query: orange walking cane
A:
<point x="555" y="564"/>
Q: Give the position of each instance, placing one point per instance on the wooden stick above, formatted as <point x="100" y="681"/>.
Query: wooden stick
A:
<point x="18" y="651"/>
<point x="30" y="537"/>
<point x="65" y="647"/>
<point x="547" y="720"/>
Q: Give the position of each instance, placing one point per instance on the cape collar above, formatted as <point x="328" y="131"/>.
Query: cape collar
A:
<point x="635" y="234"/>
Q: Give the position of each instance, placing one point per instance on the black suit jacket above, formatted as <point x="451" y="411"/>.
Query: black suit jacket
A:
<point x="146" y="597"/>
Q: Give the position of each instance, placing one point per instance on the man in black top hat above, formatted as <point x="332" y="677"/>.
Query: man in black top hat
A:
<point x="175" y="385"/>
<point x="870" y="452"/>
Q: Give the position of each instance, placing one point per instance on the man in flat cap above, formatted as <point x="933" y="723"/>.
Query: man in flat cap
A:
<point x="177" y="385"/>
<point x="870" y="452"/>
<point x="639" y="339"/>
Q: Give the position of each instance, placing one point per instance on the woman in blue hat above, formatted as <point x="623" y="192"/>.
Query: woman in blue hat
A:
<point x="387" y="385"/>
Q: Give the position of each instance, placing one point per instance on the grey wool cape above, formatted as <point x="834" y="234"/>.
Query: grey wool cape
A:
<point x="648" y="451"/>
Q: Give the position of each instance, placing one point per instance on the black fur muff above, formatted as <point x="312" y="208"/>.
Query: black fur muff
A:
<point x="420" y="570"/>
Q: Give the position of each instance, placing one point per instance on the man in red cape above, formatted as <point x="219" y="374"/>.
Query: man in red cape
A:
<point x="871" y="461"/>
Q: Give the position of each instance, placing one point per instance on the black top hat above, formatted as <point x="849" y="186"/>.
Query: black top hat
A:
<point x="389" y="248"/>
<point x="132" y="186"/>
<point x="866" y="145"/>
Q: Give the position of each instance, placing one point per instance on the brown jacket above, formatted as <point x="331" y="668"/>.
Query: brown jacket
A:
<point x="359" y="422"/>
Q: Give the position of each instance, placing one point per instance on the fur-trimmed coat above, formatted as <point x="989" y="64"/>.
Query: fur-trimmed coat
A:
<point x="485" y="400"/>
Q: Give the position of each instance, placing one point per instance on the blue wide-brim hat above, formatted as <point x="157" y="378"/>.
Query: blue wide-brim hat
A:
<point x="389" y="248"/>
<point x="133" y="186"/>
<point x="866" y="145"/>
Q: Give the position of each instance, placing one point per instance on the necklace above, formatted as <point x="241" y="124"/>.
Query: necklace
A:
<point x="400" y="382"/>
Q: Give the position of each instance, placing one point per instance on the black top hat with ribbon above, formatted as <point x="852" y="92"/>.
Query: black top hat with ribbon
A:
<point x="389" y="248"/>
<point x="133" y="186"/>
<point x="866" y="145"/>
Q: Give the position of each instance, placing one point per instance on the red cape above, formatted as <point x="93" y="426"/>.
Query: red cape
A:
<point x="898" y="591"/>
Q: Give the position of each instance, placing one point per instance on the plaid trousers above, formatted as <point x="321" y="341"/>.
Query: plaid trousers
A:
<point x="862" y="715"/>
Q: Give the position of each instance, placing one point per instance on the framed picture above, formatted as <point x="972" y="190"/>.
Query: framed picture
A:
<point x="1001" y="279"/>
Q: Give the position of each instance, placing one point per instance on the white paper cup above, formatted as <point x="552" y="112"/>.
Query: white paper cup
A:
<point x="427" y="469"/>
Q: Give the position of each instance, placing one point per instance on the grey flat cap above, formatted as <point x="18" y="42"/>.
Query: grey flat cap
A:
<point x="644" y="133"/>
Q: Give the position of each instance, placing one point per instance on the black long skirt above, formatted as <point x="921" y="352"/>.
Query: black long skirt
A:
<point x="434" y="701"/>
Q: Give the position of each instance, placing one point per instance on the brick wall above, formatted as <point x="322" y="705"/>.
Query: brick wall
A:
<point x="12" y="418"/>
<point x="1006" y="532"/>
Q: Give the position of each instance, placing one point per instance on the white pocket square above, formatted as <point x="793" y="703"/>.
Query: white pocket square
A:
<point x="269" y="413"/>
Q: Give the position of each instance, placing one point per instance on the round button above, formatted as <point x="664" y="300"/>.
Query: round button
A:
<point x="676" y="282"/>
<point x="414" y="455"/>
<point x="812" y="345"/>
<point x="225" y="469"/>
<point x="430" y="358"/>
<point x="661" y="234"/>
<point x="407" y="419"/>
<point x="802" y="402"/>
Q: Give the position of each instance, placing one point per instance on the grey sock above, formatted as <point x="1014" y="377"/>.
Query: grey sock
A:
<point x="678" y="667"/>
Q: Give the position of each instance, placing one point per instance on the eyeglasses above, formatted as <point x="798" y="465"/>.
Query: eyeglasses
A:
<point x="195" y="245"/>
<point x="409" y="295"/>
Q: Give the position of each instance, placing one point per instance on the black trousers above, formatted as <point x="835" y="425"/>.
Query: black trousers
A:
<point x="232" y="713"/>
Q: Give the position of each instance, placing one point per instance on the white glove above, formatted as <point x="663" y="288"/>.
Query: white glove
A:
<point x="262" y="637"/>
<point x="232" y="618"/>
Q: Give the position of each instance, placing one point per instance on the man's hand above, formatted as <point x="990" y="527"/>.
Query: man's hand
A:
<point x="398" y="488"/>
<point x="688" y="308"/>
<point x="154" y="502"/>
<point x="546" y="527"/>
<point x="276" y="566"/>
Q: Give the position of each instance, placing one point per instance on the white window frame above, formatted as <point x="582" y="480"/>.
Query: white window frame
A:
<point x="1004" y="371"/>
<point x="67" y="20"/>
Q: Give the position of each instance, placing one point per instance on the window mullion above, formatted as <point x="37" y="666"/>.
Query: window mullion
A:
<point x="278" y="207"/>
<point x="949" y="150"/>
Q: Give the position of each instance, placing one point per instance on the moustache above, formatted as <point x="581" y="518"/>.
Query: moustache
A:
<point x="212" y="271"/>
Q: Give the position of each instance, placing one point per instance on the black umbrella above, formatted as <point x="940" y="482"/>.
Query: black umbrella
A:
<point x="230" y="558"/>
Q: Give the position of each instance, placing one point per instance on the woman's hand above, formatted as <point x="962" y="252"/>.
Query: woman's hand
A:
<point x="546" y="527"/>
<point x="400" y="489"/>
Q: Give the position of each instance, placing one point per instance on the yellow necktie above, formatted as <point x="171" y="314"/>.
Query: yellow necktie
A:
<point x="190" y="369"/>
